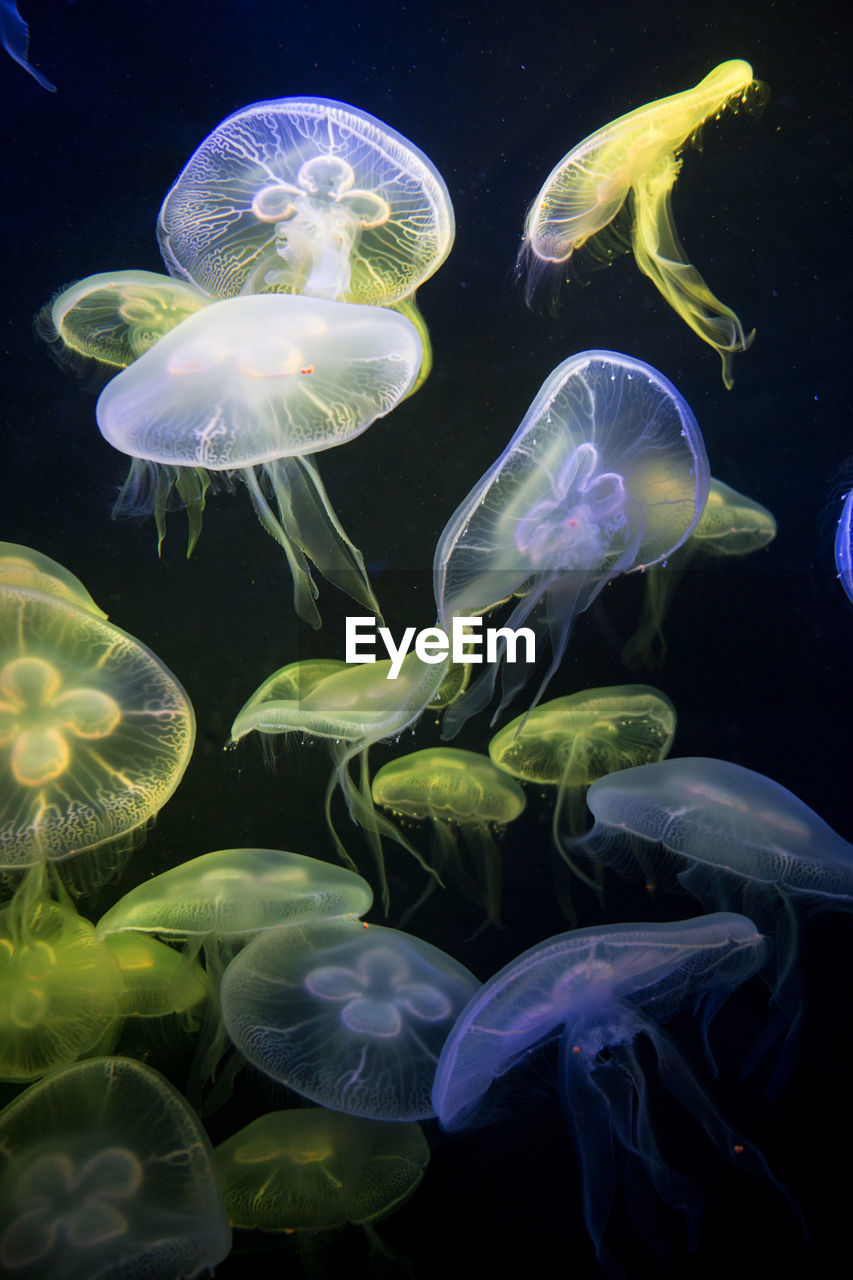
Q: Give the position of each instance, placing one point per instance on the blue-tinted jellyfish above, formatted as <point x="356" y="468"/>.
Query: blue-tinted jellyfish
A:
<point x="350" y="1016"/>
<point x="607" y="473"/>
<point x="599" y="991"/>
<point x="844" y="546"/>
<point x="105" y="1171"/>
<point x="247" y="389"/>
<point x="736" y="840"/>
<point x="15" y="38"/>
<point x="308" y="196"/>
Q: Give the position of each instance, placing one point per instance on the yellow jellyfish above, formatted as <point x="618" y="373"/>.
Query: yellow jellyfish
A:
<point x="308" y="1168"/>
<point x="24" y="567"/>
<point x="636" y="158"/>
<point x="458" y="791"/>
<point x="95" y="734"/>
<point x="156" y="978"/>
<point x="731" y="525"/>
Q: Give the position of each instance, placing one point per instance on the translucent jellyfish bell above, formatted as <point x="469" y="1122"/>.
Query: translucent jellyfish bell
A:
<point x="105" y="1171"/>
<point x="636" y="157"/>
<point x="246" y="389"/>
<point x="25" y="567"/>
<point x="351" y="1017"/>
<point x="844" y="546"/>
<point x="607" y="473"/>
<point x="310" y="196"/>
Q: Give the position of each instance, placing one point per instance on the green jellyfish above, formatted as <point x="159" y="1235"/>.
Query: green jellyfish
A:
<point x="95" y="734"/>
<point x="116" y="316"/>
<point x="458" y="792"/>
<point x="105" y="1171"/>
<point x="60" y="985"/>
<point x="635" y="159"/>
<point x="731" y="525"/>
<point x="24" y="567"/>
<point x="157" y="979"/>
<point x="571" y="742"/>
<point x="351" y="707"/>
<point x="310" y="1169"/>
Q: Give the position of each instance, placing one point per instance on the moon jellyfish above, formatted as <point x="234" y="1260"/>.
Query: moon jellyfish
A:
<point x="636" y="159"/>
<point x="601" y="993"/>
<point x="24" y="567"/>
<point x="351" y="708"/>
<point x="312" y="1169"/>
<point x="105" y="1171"/>
<point x="245" y="389"/>
<point x="116" y="316"/>
<point x="459" y="792"/>
<point x="607" y="473"/>
<point x="157" y="979"/>
<point x="308" y="196"/>
<point x="844" y="546"/>
<point x="95" y="735"/>
<point x="349" y="1016"/>
<point x="731" y="525"/>
<point x="733" y="839"/>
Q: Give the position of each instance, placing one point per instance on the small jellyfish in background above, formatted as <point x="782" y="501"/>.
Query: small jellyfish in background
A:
<point x="105" y="1171"/>
<point x="636" y="159"/>
<point x="734" y="839"/>
<point x="607" y="473"/>
<point x="459" y="792"/>
<point x="601" y="993"/>
<point x="95" y="733"/>
<point x="844" y="546"/>
<point x="15" y="38"/>
<point x="116" y="316"/>
<point x="350" y="1016"/>
<point x="245" y="390"/>
<point x="351" y="707"/>
<point x="308" y="196"/>
<point x="731" y="525"/>
<point x="309" y="1169"/>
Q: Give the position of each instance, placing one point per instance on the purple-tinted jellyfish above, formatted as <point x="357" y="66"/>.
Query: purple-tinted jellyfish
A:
<point x="598" y="991"/>
<point x="607" y="473"/>
<point x="736" y="840"/>
<point x="844" y="546"/>
<point x="349" y="1015"/>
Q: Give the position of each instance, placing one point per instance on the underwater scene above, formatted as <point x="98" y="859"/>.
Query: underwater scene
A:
<point x="426" y="600"/>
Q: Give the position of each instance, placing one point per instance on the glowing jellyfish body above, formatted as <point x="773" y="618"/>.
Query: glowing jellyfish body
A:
<point x="607" y="473"/>
<point x="844" y="546"/>
<point x="261" y="382"/>
<point x="116" y="316"/>
<point x="307" y="1169"/>
<point x="157" y="980"/>
<point x="24" y="567"/>
<point x="105" y="1171"/>
<point x="636" y="156"/>
<point x="598" y="991"/>
<point x="95" y="733"/>
<point x="456" y="791"/>
<point x="350" y="1017"/>
<point x="734" y="839"/>
<point x="309" y="196"/>
<point x="350" y="707"/>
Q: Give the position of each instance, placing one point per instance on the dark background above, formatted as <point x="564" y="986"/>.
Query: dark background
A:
<point x="758" y="662"/>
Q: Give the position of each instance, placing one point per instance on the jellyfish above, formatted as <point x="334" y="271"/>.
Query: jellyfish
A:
<point x="733" y="839"/>
<point x="60" y="986"/>
<point x="607" y="473"/>
<point x="459" y="792"/>
<point x="350" y="1016"/>
<point x="95" y="735"/>
<point x="307" y="1169"/>
<point x="731" y="525"/>
<point x="307" y="196"/>
<point x="105" y="1171"/>
<point x="636" y="159"/>
<point x="569" y="742"/>
<point x="15" y="38"/>
<point x="601" y="992"/>
<point x="844" y="546"/>
<point x="24" y="567"/>
<point x="116" y="316"/>
<point x="157" y="980"/>
<point x="246" y="389"/>
<point x="217" y="902"/>
<point x="351" y="708"/>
